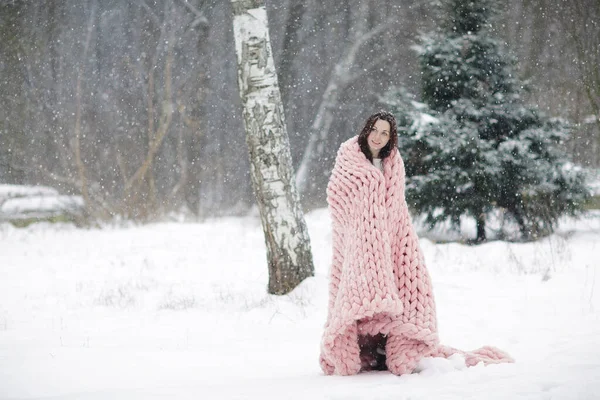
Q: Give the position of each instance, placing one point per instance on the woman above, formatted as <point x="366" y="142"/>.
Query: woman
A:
<point x="381" y="309"/>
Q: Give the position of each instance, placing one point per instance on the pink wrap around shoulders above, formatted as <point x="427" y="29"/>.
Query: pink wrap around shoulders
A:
<point x="379" y="283"/>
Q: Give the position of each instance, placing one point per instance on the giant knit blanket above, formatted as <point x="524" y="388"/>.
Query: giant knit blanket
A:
<point x="379" y="283"/>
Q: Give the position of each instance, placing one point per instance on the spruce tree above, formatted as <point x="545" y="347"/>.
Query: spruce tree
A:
<point x="472" y="146"/>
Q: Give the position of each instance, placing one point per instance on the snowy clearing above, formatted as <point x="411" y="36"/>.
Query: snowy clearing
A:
<point x="180" y="311"/>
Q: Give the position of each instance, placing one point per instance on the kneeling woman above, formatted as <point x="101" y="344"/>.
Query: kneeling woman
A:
<point x="381" y="308"/>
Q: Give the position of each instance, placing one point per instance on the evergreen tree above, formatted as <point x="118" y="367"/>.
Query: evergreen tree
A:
<point x="472" y="146"/>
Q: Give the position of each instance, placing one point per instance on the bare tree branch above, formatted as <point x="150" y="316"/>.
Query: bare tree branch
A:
<point x="341" y="77"/>
<point x="151" y="13"/>
<point x="200" y="17"/>
<point x="77" y="129"/>
<point x="166" y="116"/>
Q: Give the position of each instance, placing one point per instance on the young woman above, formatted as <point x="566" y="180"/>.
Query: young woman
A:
<point x="381" y="311"/>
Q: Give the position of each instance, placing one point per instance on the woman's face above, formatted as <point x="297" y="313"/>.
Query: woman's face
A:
<point x="379" y="136"/>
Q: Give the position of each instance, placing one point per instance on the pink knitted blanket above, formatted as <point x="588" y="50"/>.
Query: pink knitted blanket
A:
<point x="379" y="283"/>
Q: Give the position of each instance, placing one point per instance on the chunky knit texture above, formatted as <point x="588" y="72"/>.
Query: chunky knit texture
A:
<point x="379" y="282"/>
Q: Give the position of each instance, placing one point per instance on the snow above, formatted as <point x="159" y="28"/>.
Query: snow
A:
<point x="422" y="121"/>
<point x="8" y="191"/>
<point x="594" y="181"/>
<point x="180" y="311"/>
<point x="40" y="203"/>
<point x="22" y="200"/>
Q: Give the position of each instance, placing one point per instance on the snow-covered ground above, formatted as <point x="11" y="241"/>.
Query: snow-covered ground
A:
<point x="180" y="311"/>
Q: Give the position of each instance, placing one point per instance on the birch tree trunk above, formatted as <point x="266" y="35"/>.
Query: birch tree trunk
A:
<point x="288" y="245"/>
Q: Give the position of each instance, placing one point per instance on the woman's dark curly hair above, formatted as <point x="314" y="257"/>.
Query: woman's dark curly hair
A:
<point x="393" y="142"/>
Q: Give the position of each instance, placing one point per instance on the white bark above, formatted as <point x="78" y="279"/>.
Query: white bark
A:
<point x="286" y="236"/>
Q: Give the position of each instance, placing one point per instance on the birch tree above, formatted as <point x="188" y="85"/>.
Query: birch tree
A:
<point x="288" y="246"/>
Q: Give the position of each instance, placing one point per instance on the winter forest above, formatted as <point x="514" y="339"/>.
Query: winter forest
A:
<point x="170" y="224"/>
<point x="134" y="104"/>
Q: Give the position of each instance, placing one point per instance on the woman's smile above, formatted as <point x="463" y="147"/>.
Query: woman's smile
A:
<point x="379" y="136"/>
